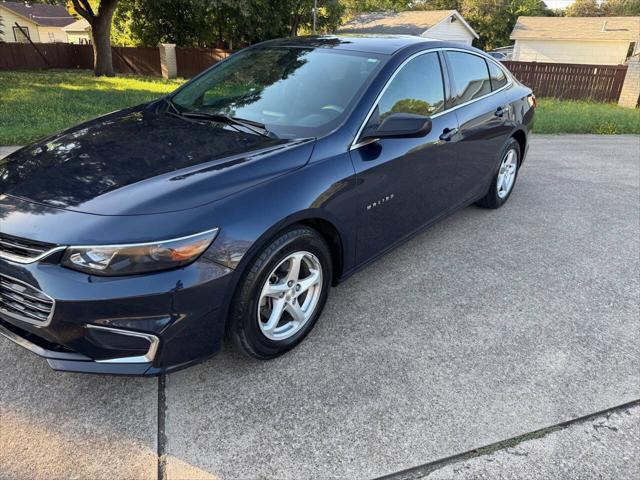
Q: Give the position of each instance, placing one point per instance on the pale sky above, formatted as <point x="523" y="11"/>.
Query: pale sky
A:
<point x="558" y="3"/>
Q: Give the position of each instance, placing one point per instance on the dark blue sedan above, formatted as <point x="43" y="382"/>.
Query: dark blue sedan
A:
<point x="136" y="242"/>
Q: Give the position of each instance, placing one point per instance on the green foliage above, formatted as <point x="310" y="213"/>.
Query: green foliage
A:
<point x="230" y="23"/>
<point x="412" y="105"/>
<point x="494" y="20"/>
<point x="353" y="7"/>
<point x="609" y="8"/>
<point x="438" y="5"/>
<point x="34" y="104"/>
<point x="580" y="116"/>
<point x="585" y="8"/>
<point x="623" y="8"/>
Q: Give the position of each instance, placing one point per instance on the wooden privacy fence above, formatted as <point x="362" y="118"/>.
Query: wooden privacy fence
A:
<point x="137" y="60"/>
<point x="601" y="83"/>
<point x="191" y="61"/>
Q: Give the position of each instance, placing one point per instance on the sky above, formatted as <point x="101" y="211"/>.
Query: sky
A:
<point x="558" y="3"/>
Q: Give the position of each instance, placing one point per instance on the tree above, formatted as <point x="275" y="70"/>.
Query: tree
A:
<point x="223" y="23"/>
<point x="353" y="7"/>
<point x="623" y="8"/>
<point x="494" y="20"/>
<point x="100" y="21"/>
<point x="586" y="8"/>
<point x="438" y="5"/>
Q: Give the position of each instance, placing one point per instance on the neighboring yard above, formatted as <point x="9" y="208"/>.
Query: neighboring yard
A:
<point x="565" y="116"/>
<point x="35" y="104"/>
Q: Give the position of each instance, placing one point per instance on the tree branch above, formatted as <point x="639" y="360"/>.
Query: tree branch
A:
<point x="87" y="14"/>
<point x="87" y="7"/>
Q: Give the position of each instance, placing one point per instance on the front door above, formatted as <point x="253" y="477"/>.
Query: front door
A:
<point x="405" y="182"/>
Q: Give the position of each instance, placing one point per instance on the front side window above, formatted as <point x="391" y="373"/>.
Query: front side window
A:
<point x="497" y="75"/>
<point x="417" y="88"/>
<point x="470" y="76"/>
<point x="293" y="91"/>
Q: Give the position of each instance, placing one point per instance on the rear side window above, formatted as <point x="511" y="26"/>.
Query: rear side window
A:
<point x="417" y="88"/>
<point x="470" y="76"/>
<point x="497" y="75"/>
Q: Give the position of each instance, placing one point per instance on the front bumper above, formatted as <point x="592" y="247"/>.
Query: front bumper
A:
<point x="136" y="325"/>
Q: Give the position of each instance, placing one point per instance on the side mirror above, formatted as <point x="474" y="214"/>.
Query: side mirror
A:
<point x="400" y="125"/>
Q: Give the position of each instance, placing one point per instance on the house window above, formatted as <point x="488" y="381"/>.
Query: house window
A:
<point x="21" y="34"/>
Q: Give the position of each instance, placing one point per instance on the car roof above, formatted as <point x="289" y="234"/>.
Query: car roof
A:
<point x="381" y="44"/>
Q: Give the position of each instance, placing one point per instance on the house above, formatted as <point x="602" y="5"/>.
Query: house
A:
<point x="78" y="32"/>
<point x="439" y="24"/>
<point x="40" y="22"/>
<point x="587" y="40"/>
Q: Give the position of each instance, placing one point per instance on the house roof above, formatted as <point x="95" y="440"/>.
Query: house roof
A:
<point x="40" y="13"/>
<point x="80" y="26"/>
<point x="414" y="22"/>
<point x="577" y="28"/>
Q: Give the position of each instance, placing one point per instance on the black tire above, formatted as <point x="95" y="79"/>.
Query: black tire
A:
<point x="243" y="325"/>
<point x="492" y="199"/>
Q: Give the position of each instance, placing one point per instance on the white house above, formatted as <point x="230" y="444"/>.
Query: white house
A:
<point x="590" y="40"/>
<point x="438" y="24"/>
<point x="40" y="22"/>
<point x="78" y="32"/>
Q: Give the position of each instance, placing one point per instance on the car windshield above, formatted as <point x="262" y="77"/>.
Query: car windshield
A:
<point x="293" y="92"/>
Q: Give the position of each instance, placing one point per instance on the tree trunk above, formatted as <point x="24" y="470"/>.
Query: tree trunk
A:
<point x="101" y="35"/>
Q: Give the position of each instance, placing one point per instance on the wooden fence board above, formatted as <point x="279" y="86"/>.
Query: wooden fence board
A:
<point x="192" y="61"/>
<point x="136" y="60"/>
<point x="600" y="83"/>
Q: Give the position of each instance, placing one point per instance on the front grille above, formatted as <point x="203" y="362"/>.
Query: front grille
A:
<point x="21" y="249"/>
<point x="24" y="302"/>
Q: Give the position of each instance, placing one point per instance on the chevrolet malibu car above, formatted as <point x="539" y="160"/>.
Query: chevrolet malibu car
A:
<point x="136" y="242"/>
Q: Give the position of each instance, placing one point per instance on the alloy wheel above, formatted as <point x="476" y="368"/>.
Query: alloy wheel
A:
<point x="507" y="173"/>
<point x="290" y="296"/>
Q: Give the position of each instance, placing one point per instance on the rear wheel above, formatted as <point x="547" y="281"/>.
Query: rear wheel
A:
<point x="282" y="295"/>
<point x="505" y="178"/>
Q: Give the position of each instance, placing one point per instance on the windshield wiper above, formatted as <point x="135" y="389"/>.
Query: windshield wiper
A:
<point x="171" y="105"/>
<point x="256" y="127"/>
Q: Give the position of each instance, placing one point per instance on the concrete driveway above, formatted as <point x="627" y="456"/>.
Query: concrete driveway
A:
<point x="492" y="334"/>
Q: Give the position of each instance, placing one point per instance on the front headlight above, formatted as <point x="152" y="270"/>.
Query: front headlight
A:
<point x="135" y="258"/>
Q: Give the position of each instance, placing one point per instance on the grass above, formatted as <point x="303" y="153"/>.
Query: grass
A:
<point x="578" y="116"/>
<point x="39" y="103"/>
<point x="36" y="104"/>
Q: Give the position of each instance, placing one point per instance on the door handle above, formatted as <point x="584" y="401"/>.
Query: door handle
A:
<point x="500" y="111"/>
<point x="448" y="134"/>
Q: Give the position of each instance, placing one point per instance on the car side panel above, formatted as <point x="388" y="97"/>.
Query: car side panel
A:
<point x="483" y="132"/>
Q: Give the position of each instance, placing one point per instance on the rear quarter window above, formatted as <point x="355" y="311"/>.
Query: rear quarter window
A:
<point x="497" y="76"/>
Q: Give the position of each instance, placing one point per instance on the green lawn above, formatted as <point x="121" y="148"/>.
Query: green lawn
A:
<point x="569" y="116"/>
<point x="35" y="104"/>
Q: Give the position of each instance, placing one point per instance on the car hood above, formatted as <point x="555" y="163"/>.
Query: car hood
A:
<point x="142" y="161"/>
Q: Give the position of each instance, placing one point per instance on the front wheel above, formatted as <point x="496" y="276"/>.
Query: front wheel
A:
<point x="505" y="178"/>
<point x="282" y="295"/>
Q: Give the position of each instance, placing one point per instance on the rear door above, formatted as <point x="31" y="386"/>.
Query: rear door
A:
<point x="482" y="113"/>
<point x="405" y="182"/>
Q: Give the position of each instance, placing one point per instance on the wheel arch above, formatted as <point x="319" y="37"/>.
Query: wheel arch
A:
<point x="521" y="137"/>
<point x="314" y="218"/>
